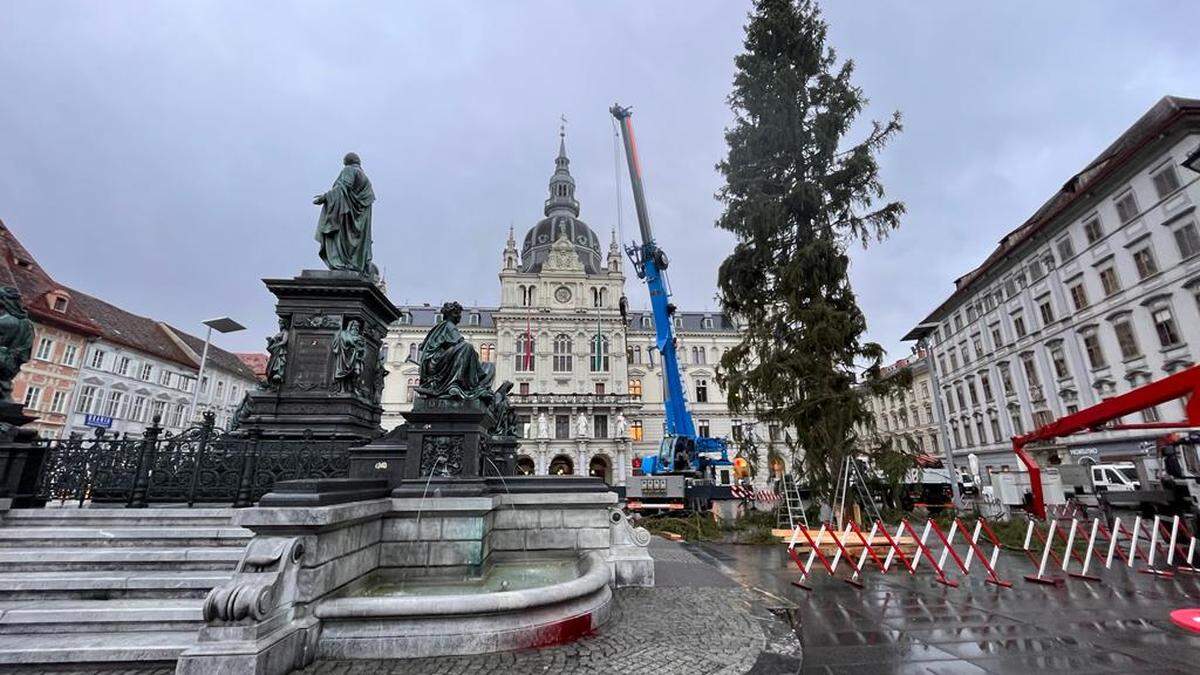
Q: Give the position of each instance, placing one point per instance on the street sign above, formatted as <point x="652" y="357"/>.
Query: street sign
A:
<point x="98" y="421"/>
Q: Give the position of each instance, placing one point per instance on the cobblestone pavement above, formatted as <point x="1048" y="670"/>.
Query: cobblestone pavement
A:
<point x="695" y="621"/>
<point x="910" y="624"/>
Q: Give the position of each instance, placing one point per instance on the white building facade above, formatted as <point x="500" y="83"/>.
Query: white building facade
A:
<point x="587" y="381"/>
<point x="1095" y="295"/>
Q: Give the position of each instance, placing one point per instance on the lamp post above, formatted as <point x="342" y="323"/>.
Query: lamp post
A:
<point x="923" y="344"/>
<point x="222" y="324"/>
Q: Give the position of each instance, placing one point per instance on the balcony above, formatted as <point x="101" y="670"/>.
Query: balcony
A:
<point x="577" y="400"/>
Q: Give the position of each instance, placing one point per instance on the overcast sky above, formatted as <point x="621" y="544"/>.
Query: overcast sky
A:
<point x="163" y="156"/>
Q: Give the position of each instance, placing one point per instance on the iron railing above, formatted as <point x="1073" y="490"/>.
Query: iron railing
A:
<point x="201" y="465"/>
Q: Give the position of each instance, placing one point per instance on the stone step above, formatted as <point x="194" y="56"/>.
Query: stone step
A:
<point x="47" y="559"/>
<point x="117" y="517"/>
<point x="96" y="616"/>
<point x="144" y="648"/>
<point x="107" y="585"/>
<point x="59" y="537"/>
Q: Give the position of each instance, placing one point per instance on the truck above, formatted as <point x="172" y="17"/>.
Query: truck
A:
<point x="688" y="471"/>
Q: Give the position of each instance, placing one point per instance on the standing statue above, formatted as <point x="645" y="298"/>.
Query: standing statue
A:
<point x="543" y="426"/>
<point x="350" y="354"/>
<point x="344" y="228"/>
<point x="450" y="366"/>
<point x="277" y="352"/>
<point x="581" y="426"/>
<point x="622" y="426"/>
<point x="503" y="413"/>
<point x="381" y="373"/>
<point x="16" y="339"/>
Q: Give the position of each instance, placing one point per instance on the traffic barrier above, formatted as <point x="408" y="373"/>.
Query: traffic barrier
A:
<point x="743" y="492"/>
<point x="895" y="551"/>
<point x="1159" y="548"/>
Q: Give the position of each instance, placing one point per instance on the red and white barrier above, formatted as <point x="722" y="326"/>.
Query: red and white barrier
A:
<point x="743" y="492"/>
<point x="1163" y="554"/>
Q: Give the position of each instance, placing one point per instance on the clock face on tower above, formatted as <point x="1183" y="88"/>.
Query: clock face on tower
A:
<point x="562" y="294"/>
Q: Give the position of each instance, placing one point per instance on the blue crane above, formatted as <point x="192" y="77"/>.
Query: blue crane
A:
<point x="681" y="451"/>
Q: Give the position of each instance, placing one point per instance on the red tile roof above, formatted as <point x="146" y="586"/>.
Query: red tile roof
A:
<point x="19" y="269"/>
<point x="256" y="362"/>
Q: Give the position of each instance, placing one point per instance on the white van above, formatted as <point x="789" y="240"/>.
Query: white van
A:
<point x="1119" y="477"/>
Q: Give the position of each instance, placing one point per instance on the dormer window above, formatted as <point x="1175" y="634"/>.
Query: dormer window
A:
<point x="473" y="320"/>
<point x="58" y="301"/>
<point x="60" y="304"/>
<point x="706" y="322"/>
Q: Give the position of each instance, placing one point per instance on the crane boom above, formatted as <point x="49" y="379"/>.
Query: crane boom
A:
<point x="650" y="262"/>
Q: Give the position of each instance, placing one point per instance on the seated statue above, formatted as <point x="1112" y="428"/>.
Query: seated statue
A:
<point x="450" y="366"/>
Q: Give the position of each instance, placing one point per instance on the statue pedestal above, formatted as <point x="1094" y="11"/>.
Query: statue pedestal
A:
<point x="314" y="307"/>
<point x="20" y="458"/>
<point x="447" y="440"/>
<point x="502" y="451"/>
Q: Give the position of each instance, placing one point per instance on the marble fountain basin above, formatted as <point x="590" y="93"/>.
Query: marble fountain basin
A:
<point x="513" y="604"/>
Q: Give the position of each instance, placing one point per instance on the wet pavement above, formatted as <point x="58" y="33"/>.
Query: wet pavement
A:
<point x="911" y="624"/>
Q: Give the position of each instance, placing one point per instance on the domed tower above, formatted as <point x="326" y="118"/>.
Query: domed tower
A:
<point x="562" y="217"/>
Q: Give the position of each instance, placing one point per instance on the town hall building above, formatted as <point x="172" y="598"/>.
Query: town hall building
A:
<point x="587" y="381"/>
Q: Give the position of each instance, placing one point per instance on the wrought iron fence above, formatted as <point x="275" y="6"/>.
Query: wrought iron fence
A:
<point x="201" y="465"/>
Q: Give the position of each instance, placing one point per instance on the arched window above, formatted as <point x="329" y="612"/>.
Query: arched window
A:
<point x="595" y="297"/>
<point x="524" y="357"/>
<point x="473" y="319"/>
<point x="599" y="360"/>
<point x="562" y="353"/>
<point x="635" y="430"/>
<point x="635" y="388"/>
<point x="409" y="394"/>
<point x="487" y="352"/>
<point x="603" y="297"/>
<point x="412" y="351"/>
<point x="637" y="354"/>
<point x="701" y="355"/>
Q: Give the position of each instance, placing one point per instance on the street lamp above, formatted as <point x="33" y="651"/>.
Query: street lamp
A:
<point x="222" y="324"/>
<point x="1193" y="160"/>
<point x="922" y="333"/>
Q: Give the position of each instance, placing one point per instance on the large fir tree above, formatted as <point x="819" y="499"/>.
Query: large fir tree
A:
<point x="797" y="194"/>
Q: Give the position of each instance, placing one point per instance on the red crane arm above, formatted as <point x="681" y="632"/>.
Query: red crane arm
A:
<point x="1184" y="383"/>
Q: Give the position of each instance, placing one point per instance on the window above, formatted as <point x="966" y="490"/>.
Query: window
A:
<point x="412" y="352"/>
<point x="69" y="355"/>
<point x="1092" y="230"/>
<point x="1006" y="380"/>
<point x="958" y="324"/>
<point x="1166" y="181"/>
<point x="112" y="407"/>
<point x="1164" y="325"/>
<point x="600" y="426"/>
<point x="562" y="354"/>
<point x="1079" y="296"/>
<point x="1041" y="418"/>
<point x="1018" y="429"/>
<point x="1187" y="240"/>
<point x="1030" y="368"/>
<point x="953" y="359"/>
<point x="599" y="356"/>
<point x="599" y="388"/>
<point x="1047" y="311"/>
<point x="123" y="365"/>
<point x="98" y="359"/>
<point x="702" y="428"/>
<point x="985" y="384"/>
<point x="221" y="391"/>
<point x="164" y="378"/>
<point x="967" y="433"/>
<point x="33" y="397"/>
<point x="773" y="432"/>
<point x="1095" y="355"/>
<point x="982" y="434"/>
<point x="1066" y="248"/>
<point x="1019" y="325"/>
<point x="997" y="337"/>
<point x="958" y="393"/>
<point x="177" y="415"/>
<point x="487" y="352"/>
<point x="158" y="412"/>
<point x="146" y="373"/>
<point x="1036" y="271"/>
<point x="1127" y="207"/>
<point x="138" y="409"/>
<point x="971" y="393"/>
<point x="701" y="391"/>
<point x="635" y="389"/>
<point x="473" y="319"/>
<point x="637" y="355"/>
<point x="562" y="426"/>
<point x="635" y="430"/>
<point x="699" y="356"/>
<point x="58" y="402"/>
<point x="60" y="303"/>
<point x="45" y="349"/>
<point x="1150" y="414"/>
<point x="977" y="343"/>
<point x="1109" y="280"/>
<point x="87" y="398"/>
<point x="524" y="389"/>
<point x="524" y="355"/>
<point x="1059" y="359"/>
<point x="1126" y="339"/>
<point x="1143" y="259"/>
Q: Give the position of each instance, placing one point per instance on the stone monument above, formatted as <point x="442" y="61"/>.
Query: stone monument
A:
<point x="19" y="458"/>
<point x="324" y="366"/>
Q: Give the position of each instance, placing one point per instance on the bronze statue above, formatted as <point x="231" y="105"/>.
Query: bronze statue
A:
<point x="381" y="372"/>
<point x="450" y="366"/>
<point x="349" y="353"/>
<point x="16" y="339"/>
<point x="344" y="228"/>
<point x="502" y="412"/>
<point x="277" y="351"/>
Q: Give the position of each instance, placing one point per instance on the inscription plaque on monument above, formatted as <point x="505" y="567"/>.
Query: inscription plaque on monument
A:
<point x="310" y="363"/>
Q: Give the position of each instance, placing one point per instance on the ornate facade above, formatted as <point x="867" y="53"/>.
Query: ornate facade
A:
<point x="587" y="381"/>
